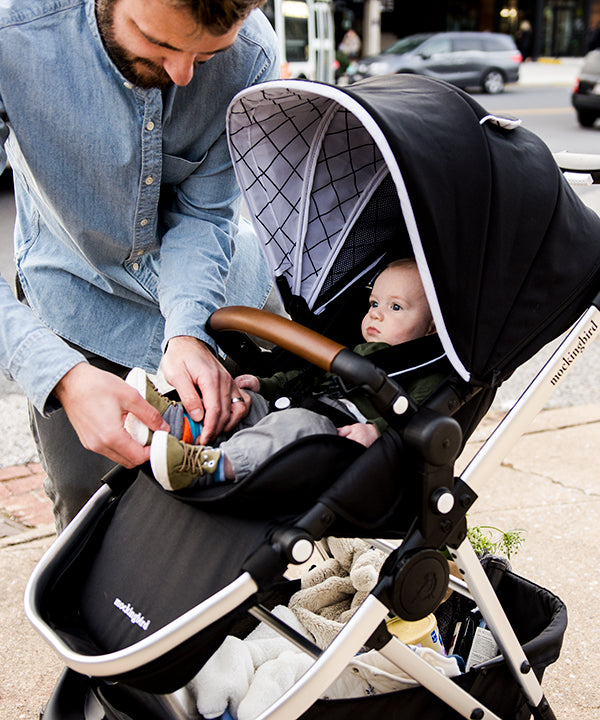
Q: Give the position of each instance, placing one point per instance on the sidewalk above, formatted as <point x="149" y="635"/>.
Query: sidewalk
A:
<point x="550" y="71"/>
<point x="548" y="486"/>
<point x="23" y="502"/>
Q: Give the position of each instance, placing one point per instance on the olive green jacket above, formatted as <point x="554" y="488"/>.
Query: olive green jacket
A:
<point x="317" y="382"/>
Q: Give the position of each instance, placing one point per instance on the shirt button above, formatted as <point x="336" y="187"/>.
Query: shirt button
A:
<point x="135" y="266"/>
<point x="149" y="180"/>
<point x="128" y="85"/>
<point x="150" y="125"/>
<point x="139" y="252"/>
<point x="144" y="222"/>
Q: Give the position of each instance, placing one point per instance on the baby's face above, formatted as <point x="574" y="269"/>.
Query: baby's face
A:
<point x="398" y="308"/>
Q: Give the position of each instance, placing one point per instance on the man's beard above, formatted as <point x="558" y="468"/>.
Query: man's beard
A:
<point x="143" y="73"/>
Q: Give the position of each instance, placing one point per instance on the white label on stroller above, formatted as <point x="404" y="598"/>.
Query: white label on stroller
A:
<point x="575" y="178"/>
<point x="484" y="647"/>
<point x="506" y="123"/>
<point x="135" y="618"/>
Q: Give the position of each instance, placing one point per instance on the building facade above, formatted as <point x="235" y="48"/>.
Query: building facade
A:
<point x="551" y="28"/>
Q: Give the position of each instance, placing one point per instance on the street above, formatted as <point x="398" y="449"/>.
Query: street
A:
<point x="547" y="112"/>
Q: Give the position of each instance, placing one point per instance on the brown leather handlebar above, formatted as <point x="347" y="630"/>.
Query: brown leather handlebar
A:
<point x="287" y="334"/>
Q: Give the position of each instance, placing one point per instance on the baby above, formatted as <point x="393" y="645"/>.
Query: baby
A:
<point x="398" y="312"/>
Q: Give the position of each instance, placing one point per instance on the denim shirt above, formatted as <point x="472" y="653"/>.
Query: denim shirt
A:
<point x="127" y="203"/>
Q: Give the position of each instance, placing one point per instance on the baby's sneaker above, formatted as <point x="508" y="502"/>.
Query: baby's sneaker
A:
<point x="177" y="465"/>
<point x="181" y="424"/>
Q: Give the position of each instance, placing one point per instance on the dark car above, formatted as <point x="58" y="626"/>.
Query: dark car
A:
<point x="467" y="59"/>
<point x="586" y="94"/>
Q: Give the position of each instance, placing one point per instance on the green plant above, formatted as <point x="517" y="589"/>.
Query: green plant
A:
<point x="490" y="539"/>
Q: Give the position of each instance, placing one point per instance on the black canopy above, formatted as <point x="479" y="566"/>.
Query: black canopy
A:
<point x="509" y="255"/>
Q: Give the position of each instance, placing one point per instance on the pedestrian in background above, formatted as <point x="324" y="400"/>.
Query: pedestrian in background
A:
<point x="524" y="39"/>
<point x="350" y="44"/>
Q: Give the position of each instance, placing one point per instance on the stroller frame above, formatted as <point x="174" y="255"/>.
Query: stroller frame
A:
<point x="330" y="662"/>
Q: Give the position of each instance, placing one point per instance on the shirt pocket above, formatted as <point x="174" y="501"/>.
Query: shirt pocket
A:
<point x="177" y="169"/>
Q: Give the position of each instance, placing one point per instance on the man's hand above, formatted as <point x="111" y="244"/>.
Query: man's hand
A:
<point x="206" y="389"/>
<point x="363" y="433"/>
<point x="97" y="403"/>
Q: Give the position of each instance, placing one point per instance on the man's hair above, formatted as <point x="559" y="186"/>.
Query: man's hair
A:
<point x="218" y="16"/>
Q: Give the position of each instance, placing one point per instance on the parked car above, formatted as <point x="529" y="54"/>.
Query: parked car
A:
<point x="467" y="59"/>
<point x="586" y="93"/>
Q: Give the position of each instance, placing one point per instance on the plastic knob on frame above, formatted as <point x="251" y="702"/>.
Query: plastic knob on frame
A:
<point x="442" y="501"/>
<point x="301" y="550"/>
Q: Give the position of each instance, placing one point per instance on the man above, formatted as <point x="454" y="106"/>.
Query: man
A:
<point x="112" y="114"/>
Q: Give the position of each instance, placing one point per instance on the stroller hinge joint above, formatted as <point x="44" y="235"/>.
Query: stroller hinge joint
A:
<point x="436" y="438"/>
<point x="293" y="544"/>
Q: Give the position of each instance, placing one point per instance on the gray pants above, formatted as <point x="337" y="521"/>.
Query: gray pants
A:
<point x="73" y="474"/>
<point x="261" y="435"/>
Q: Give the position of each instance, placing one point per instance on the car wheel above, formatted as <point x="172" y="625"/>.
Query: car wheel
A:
<point x="586" y="117"/>
<point x="493" y="82"/>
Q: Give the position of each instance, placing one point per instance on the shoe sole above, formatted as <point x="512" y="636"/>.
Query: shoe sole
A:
<point x="134" y="426"/>
<point x="158" y="458"/>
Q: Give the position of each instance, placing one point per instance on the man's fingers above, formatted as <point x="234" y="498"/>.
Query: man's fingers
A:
<point x="117" y="446"/>
<point x="147" y="414"/>
<point x="127" y="452"/>
<point x="96" y="403"/>
<point x="204" y="386"/>
<point x="240" y="406"/>
<point x="190" y="397"/>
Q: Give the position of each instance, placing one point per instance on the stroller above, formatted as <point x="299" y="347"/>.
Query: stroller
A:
<point x="339" y="182"/>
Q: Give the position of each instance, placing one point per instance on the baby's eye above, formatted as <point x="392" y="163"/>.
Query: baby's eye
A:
<point x="396" y="307"/>
<point x="373" y="303"/>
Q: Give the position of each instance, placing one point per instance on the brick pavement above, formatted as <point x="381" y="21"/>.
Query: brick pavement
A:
<point x="23" y="502"/>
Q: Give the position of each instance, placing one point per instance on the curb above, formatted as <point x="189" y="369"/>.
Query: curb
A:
<point x="552" y="60"/>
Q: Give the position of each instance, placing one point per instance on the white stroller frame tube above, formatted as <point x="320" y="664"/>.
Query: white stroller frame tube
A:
<point x="487" y="459"/>
<point x="330" y="664"/>
<point x="146" y="650"/>
<point x="532" y="400"/>
<point x="495" y="617"/>
<point x="426" y="675"/>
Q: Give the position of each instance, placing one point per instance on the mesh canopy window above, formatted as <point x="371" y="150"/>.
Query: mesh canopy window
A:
<point x="308" y="169"/>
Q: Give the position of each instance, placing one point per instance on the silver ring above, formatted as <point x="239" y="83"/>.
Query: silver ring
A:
<point x="237" y="399"/>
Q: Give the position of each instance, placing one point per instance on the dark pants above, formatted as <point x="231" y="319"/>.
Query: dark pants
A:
<point x="73" y="473"/>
